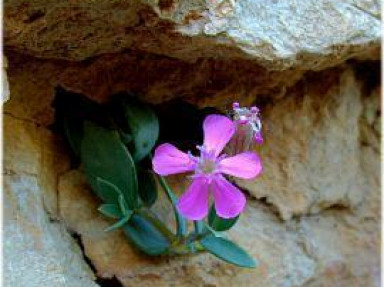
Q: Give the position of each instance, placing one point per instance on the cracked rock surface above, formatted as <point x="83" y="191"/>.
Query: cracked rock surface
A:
<point x="316" y="223"/>
<point x="277" y="34"/>
<point x="312" y="217"/>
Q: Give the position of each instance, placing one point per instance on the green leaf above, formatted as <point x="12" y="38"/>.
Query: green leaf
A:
<point x="120" y="223"/>
<point x="123" y="205"/>
<point x="110" y="210"/>
<point x="220" y="224"/>
<point x="199" y="226"/>
<point x="146" y="236"/>
<point x="227" y="251"/>
<point x="108" y="191"/>
<point x="105" y="156"/>
<point x="147" y="187"/>
<point x="143" y="125"/>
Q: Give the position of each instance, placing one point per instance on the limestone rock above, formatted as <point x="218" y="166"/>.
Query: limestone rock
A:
<point x="335" y="240"/>
<point x="304" y="126"/>
<point x="285" y="264"/>
<point x="154" y="79"/>
<point x="38" y="250"/>
<point x="311" y="156"/>
<point x="276" y="34"/>
<point x="312" y="217"/>
<point x="5" y="91"/>
<point x="310" y="251"/>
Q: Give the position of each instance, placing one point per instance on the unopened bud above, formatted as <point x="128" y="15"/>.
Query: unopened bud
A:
<point x="248" y="129"/>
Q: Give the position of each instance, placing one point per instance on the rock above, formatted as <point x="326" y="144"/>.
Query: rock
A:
<point x="5" y="92"/>
<point x="312" y="217"/>
<point x="311" y="156"/>
<point x="35" y="151"/>
<point x="311" y="251"/>
<point x="285" y="263"/>
<point x="278" y="35"/>
<point x="204" y="83"/>
<point x="38" y="250"/>
<point x="333" y="238"/>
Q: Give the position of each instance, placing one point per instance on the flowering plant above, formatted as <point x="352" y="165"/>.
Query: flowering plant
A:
<point x="115" y="150"/>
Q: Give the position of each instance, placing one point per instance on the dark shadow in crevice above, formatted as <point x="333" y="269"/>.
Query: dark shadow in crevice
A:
<point x="102" y="282"/>
<point x="181" y="123"/>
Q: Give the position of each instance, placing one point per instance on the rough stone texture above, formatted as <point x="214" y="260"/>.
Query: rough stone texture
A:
<point x="313" y="217"/>
<point x="336" y="246"/>
<point x="38" y="250"/>
<point x="204" y="83"/>
<point x="277" y="34"/>
<point x="285" y="265"/>
<point x="5" y="89"/>
<point x="307" y="149"/>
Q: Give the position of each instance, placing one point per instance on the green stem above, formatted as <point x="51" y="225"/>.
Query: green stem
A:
<point x="181" y="223"/>
<point x="157" y="223"/>
<point x="199" y="226"/>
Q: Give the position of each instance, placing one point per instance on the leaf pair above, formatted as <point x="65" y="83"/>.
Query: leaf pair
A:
<point x="105" y="157"/>
<point x="117" y="206"/>
<point x="139" y="130"/>
<point x="222" y="247"/>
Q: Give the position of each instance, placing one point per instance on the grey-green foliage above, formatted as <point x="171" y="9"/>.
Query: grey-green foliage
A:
<point x="146" y="236"/>
<point x="227" y="251"/>
<point x="143" y="126"/>
<point x="115" y="156"/>
<point x="104" y="156"/>
<point x="220" y="224"/>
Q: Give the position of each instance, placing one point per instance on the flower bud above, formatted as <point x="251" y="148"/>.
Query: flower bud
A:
<point x="248" y="129"/>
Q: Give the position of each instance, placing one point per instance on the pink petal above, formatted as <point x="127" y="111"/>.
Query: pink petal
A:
<point x="218" y="130"/>
<point x="170" y="160"/>
<point x="258" y="138"/>
<point x="244" y="165"/>
<point x="193" y="204"/>
<point x="229" y="200"/>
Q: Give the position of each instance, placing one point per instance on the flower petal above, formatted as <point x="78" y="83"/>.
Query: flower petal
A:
<point x="170" y="160"/>
<point x="218" y="130"/>
<point x="193" y="204"/>
<point x="244" y="165"/>
<point x="229" y="200"/>
<point x="258" y="138"/>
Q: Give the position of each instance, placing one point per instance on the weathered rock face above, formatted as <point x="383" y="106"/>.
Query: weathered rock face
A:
<point x="38" y="249"/>
<point x="313" y="216"/>
<point x="277" y="34"/>
<point x="307" y="148"/>
<point x="311" y="166"/>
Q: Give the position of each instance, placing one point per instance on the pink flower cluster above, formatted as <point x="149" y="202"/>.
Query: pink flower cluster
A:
<point x="208" y="171"/>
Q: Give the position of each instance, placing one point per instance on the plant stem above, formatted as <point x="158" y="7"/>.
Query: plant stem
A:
<point x="199" y="226"/>
<point x="181" y="223"/>
<point x="159" y="224"/>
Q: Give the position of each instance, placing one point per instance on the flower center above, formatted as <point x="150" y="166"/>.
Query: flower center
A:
<point x="207" y="163"/>
<point x="207" y="166"/>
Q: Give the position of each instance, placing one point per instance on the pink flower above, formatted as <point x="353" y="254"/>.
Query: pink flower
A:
<point x="208" y="170"/>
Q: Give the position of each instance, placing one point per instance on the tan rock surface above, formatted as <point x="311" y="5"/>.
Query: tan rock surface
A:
<point x="38" y="250"/>
<point x="338" y="246"/>
<point x="334" y="247"/>
<point x="204" y="83"/>
<point x="312" y="152"/>
<point x="313" y="217"/>
<point x="277" y="34"/>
